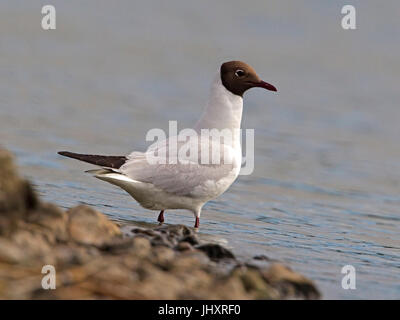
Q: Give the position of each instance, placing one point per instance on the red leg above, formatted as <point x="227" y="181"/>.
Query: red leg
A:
<point x="161" y="217"/>
<point x="197" y="223"/>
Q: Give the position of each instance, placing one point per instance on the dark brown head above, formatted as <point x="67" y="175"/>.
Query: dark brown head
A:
<point x="237" y="77"/>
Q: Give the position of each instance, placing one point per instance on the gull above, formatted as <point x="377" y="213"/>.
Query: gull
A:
<point x="157" y="183"/>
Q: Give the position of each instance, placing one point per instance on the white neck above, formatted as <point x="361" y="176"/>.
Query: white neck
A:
<point x="223" y="110"/>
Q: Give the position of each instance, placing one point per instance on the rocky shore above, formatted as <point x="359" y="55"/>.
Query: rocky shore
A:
<point x="95" y="258"/>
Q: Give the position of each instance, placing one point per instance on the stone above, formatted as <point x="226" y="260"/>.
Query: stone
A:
<point x="10" y="252"/>
<point x="34" y="242"/>
<point x="261" y="257"/>
<point x="94" y="259"/>
<point x="192" y="239"/>
<point x="254" y="282"/>
<point x="90" y="227"/>
<point x="215" y="251"/>
<point x="184" y="246"/>
<point x="290" y="283"/>
<point x="15" y="193"/>
<point x="51" y="217"/>
<point x="141" y="246"/>
<point x="163" y="256"/>
<point x="178" y="231"/>
<point x="144" y="231"/>
<point x="229" y="289"/>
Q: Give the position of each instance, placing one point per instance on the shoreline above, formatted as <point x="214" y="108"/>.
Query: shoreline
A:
<point x="96" y="258"/>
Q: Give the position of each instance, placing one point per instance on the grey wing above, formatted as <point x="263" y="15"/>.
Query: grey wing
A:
<point x="180" y="178"/>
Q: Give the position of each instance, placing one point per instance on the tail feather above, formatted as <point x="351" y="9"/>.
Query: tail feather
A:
<point x="112" y="176"/>
<point x="103" y="161"/>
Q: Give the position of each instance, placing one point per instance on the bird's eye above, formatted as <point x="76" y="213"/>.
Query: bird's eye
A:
<point x="239" y="73"/>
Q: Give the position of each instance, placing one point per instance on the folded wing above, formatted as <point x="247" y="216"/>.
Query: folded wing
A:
<point x="175" y="166"/>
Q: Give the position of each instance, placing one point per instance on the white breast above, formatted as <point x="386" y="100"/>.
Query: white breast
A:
<point x="211" y="189"/>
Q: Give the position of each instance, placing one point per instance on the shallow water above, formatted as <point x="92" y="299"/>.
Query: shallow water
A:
<point x="326" y="187"/>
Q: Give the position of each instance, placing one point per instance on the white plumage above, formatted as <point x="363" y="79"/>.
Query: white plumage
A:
<point x="187" y="184"/>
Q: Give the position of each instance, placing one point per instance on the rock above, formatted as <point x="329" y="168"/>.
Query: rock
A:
<point x="184" y="246"/>
<point x="184" y="263"/>
<point x="192" y="239"/>
<point x="34" y="242"/>
<point x="261" y="257"/>
<point x="229" y="289"/>
<point x="141" y="246"/>
<point x="90" y="227"/>
<point x="71" y="255"/>
<point x="144" y="231"/>
<point x="161" y="240"/>
<point x="155" y="282"/>
<point x="16" y="195"/>
<point x="117" y="245"/>
<point x="163" y="256"/>
<point x="94" y="259"/>
<point x="178" y="231"/>
<point x="255" y="284"/>
<point x="10" y="252"/>
<point x="50" y="217"/>
<point x="216" y="252"/>
<point x="290" y="283"/>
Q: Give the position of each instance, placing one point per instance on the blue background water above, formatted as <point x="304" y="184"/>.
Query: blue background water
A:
<point x="326" y="187"/>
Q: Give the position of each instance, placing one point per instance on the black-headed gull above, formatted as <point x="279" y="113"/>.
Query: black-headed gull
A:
<point x="158" y="183"/>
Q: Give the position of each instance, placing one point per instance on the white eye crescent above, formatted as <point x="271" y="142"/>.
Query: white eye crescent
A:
<point x="239" y="73"/>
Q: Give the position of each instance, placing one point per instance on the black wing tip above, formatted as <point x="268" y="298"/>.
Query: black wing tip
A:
<point x="103" y="161"/>
<point x="64" y="153"/>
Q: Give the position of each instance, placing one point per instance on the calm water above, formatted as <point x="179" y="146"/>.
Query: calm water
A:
<point x="326" y="188"/>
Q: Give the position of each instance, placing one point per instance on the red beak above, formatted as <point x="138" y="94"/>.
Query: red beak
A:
<point x="265" y="85"/>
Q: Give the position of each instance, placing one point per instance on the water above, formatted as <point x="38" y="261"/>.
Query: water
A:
<point x="326" y="187"/>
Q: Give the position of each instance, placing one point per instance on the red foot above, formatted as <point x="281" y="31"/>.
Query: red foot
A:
<point x="161" y="217"/>
<point x="197" y="223"/>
